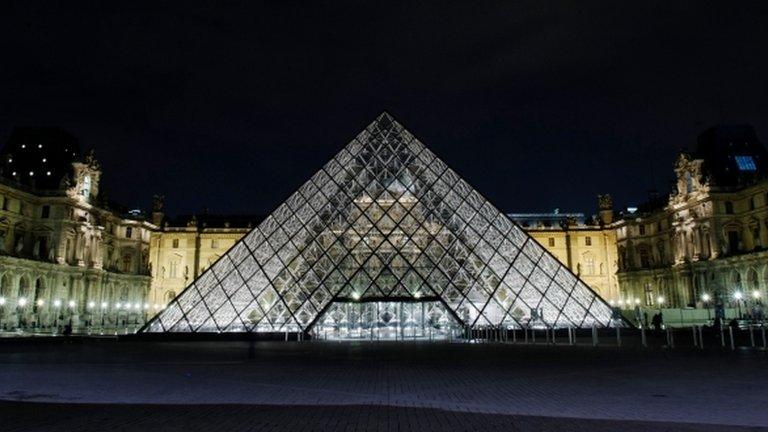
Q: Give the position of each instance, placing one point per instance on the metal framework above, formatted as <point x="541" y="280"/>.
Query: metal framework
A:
<point x="384" y="220"/>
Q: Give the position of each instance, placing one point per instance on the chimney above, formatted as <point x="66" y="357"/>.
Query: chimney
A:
<point x="158" y="214"/>
<point x="605" y="205"/>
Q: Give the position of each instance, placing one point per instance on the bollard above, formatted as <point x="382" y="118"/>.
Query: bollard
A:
<point x="554" y="342"/>
<point x="730" y="332"/>
<point x="594" y="335"/>
<point x="751" y="335"/>
<point x="286" y="335"/>
<point x="670" y="338"/>
<point x="618" y="336"/>
<point x="514" y="335"/>
<point x="525" y="330"/>
<point x="693" y="330"/>
<point x="701" y="337"/>
<point x="722" y="337"/>
<point x="762" y="329"/>
<point x="533" y="336"/>
<point x="642" y="337"/>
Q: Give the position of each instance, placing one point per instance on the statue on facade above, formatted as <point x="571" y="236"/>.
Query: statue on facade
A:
<point x="90" y="160"/>
<point x="36" y="249"/>
<point x="3" y="234"/>
<point x="20" y="245"/>
<point x="52" y="252"/>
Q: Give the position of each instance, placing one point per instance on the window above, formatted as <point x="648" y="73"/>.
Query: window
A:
<point x="45" y="212"/>
<point x="85" y="187"/>
<point x="551" y="242"/>
<point x="215" y="243"/>
<point x="648" y="294"/>
<point x="688" y="182"/>
<point x="751" y="203"/>
<point x="588" y="241"/>
<point x="175" y="243"/>
<point x="127" y="263"/>
<point x="733" y="242"/>
<point x="128" y="232"/>
<point x="746" y="163"/>
<point x="645" y="257"/>
<point x="589" y="264"/>
<point x="641" y="229"/>
<point x="728" y="207"/>
<point x="174" y="270"/>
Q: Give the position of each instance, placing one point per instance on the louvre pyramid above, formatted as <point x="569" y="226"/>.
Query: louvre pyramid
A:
<point x="385" y="219"/>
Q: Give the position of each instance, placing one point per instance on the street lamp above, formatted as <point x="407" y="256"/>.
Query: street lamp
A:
<point x="71" y="305"/>
<point x="56" y="305"/>
<point x="22" y="303"/>
<point x="660" y="300"/>
<point x="706" y="298"/>
<point x="2" y="309"/>
<point x="738" y="296"/>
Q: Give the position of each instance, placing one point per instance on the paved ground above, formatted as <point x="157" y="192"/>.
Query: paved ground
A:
<point x="93" y="385"/>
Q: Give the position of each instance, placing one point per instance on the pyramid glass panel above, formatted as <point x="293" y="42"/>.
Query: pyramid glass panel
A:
<point x="385" y="239"/>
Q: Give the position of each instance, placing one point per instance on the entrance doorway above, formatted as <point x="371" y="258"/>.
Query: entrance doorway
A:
<point x="386" y="320"/>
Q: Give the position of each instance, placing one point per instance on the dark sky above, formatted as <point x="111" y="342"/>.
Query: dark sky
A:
<point x="232" y="105"/>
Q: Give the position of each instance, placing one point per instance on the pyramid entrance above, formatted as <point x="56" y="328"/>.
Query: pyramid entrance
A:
<point x="426" y="319"/>
<point x="386" y="226"/>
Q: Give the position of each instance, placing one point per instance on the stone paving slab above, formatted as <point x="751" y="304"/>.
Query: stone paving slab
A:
<point x="486" y="379"/>
<point x="30" y="417"/>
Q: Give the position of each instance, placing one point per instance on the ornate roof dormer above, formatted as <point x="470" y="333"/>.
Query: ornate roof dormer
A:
<point x="690" y="178"/>
<point x="86" y="175"/>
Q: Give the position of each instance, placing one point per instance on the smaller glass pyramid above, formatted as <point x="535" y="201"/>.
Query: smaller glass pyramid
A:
<point x="386" y="222"/>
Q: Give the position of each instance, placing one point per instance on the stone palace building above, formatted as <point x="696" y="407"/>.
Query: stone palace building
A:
<point x="67" y="254"/>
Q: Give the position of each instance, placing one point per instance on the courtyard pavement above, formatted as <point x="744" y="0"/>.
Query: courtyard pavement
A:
<point x="99" y="384"/>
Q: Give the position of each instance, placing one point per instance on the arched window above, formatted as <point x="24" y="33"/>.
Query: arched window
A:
<point x="85" y="187"/>
<point x="5" y="286"/>
<point x="735" y="281"/>
<point x="39" y="295"/>
<point x="589" y="263"/>
<point x="24" y="288"/>
<point x="752" y="284"/>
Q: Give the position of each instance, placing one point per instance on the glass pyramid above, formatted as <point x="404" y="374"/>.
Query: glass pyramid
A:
<point x="384" y="221"/>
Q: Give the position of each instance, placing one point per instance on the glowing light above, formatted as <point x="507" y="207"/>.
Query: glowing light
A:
<point x="738" y="295"/>
<point x="637" y="301"/>
<point x="57" y="302"/>
<point x="71" y="303"/>
<point x="756" y="294"/>
<point x="40" y="302"/>
<point x="91" y="305"/>
<point x="117" y="305"/>
<point x="705" y="297"/>
<point x="2" y="301"/>
<point x="104" y="305"/>
<point x="22" y="302"/>
<point x="356" y="296"/>
<point x="660" y="299"/>
<point x="31" y="173"/>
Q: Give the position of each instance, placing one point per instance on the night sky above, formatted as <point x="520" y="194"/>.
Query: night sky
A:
<point x="233" y="105"/>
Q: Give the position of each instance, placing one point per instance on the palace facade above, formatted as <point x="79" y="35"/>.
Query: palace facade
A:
<point x="705" y="243"/>
<point x="66" y="254"/>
